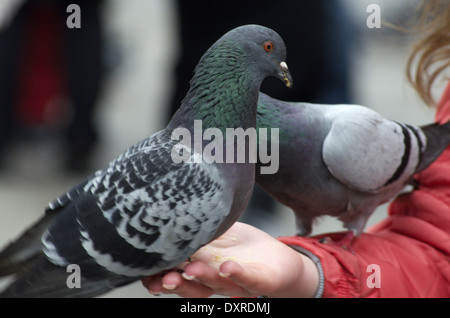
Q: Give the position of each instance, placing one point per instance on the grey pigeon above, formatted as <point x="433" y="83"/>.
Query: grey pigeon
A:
<point x="342" y="160"/>
<point x="146" y="212"/>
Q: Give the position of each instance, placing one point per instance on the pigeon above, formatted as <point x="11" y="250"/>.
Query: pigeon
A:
<point x="341" y="160"/>
<point x="147" y="211"/>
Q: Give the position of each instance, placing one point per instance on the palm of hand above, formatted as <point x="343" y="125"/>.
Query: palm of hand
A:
<point x="244" y="261"/>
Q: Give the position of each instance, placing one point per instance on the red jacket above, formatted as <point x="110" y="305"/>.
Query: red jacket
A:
<point x="405" y="255"/>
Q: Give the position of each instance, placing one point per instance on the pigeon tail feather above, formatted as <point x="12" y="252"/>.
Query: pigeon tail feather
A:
<point x="438" y="138"/>
<point x="20" y="253"/>
<point x="46" y="280"/>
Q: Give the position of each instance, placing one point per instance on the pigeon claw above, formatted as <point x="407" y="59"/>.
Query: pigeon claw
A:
<point x="345" y="242"/>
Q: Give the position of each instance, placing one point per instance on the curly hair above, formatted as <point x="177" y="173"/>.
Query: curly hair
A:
<point x="430" y="55"/>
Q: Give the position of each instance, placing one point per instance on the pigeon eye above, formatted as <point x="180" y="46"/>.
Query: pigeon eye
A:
<point x="268" y="46"/>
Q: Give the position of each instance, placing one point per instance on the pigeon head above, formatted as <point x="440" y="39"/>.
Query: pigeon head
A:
<point x="262" y="49"/>
<point x="267" y="50"/>
<point x="224" y="88"/>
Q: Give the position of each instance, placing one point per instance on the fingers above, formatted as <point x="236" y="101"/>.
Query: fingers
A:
<point x="177" y="283"/>
<point x="211" y="278"/>
<point x="197" y="280"/>
<point x="202" y="280"/>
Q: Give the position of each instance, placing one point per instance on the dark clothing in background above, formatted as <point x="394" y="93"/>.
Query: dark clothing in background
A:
<point x="41" y="60"/>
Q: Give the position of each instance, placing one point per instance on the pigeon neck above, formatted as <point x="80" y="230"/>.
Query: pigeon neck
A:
<point x="223" y="94"/>
<point x="269" y="114"/>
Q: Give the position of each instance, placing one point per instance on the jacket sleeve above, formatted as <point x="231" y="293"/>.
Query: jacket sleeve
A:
<point x="405" y="255"/>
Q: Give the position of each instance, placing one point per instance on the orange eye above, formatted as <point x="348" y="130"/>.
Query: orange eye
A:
<point x="268" y="46"/>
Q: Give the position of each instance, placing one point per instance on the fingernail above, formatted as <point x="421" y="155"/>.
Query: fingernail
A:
<point x="169" y="287"/>
<point x="226" y="275"/>
<point x="154" y="293"/>
<point x="188" y="277"/>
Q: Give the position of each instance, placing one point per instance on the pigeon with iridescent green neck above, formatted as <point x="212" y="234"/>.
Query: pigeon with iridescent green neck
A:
<point x="147" y="212"/>
<point x="342" y="160"/>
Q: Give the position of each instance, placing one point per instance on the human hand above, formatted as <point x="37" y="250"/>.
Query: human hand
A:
<point x="243" y="262"/>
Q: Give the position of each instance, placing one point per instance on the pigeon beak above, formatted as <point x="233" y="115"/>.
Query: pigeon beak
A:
<point x="285" y="74"/>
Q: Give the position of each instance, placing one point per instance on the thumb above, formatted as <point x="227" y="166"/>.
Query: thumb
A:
<point x="252" y="280"/>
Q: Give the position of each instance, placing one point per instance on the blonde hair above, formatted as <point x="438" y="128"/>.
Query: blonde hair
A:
<point x="430" y="55"/>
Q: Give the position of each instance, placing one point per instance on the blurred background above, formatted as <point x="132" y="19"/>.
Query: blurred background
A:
<point x="73" y="99"/>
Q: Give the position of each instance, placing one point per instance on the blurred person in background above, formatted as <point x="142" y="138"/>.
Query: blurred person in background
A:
<point x="51" y="75"/>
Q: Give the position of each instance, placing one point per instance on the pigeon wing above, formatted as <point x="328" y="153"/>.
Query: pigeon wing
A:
<point x="142" y="214"/>
<point x="368" y="152"/>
